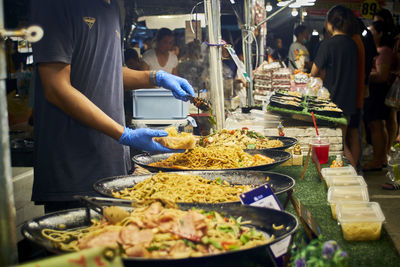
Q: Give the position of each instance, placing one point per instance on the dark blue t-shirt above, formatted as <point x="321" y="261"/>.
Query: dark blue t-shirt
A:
<point x="69" y="156"/>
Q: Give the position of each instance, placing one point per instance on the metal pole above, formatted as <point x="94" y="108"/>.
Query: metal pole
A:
<point x="262" y="37"/>
<point x="247" y="53"/>
<point x="212" y="13"/>
<point x="8" y="239"/>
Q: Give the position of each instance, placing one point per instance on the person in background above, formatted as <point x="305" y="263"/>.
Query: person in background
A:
<point x="386" y="17"/>
<point x="375" y="110"/>
<point x="279" y="53"/>
<point x="354" y="127"/>
<point x="80" y="133"/>
<point x="337" y="58"/>
<point x="176" y="50"/>
<point x="146" y="45"/>
<point x="191" y="65"/>
<point x="161" y="57"/>
<point x="299" y="57"/>
<point x="132" y="59"/>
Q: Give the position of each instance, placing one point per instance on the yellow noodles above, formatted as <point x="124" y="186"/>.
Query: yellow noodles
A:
<point x="221" y="157"/>
<point x="243" y="138"/>
<point x="183" y="188"/>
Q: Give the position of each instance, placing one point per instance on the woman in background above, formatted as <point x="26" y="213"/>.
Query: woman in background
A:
<point x="161" y="58"/>
<point x="375" y="110"/>
<point x="337" y="58"/>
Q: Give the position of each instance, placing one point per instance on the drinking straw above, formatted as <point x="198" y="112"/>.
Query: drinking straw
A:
<point x="315" y="124"/>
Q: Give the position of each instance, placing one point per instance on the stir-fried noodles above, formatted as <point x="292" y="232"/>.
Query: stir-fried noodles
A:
<point x="158" y="232"/>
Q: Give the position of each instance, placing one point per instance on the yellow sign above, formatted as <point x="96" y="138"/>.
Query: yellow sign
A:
<point x="368" y="8"/>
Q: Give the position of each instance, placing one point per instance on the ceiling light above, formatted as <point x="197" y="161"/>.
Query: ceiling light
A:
<point x="232" y="2"/>
<point x="282" y="3"/>
<point x="305" y="13"/>
<point x="268" y="7"/>
<point x="314" y="32"/>
<point x="294" y="12"/>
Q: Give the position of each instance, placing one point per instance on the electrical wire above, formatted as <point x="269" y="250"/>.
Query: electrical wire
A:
<point x="191" y="15"/>
<point x="249" y="38"/>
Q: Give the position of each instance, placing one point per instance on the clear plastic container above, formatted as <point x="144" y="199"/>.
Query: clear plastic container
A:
<point x="342" y="171"/>
<point x="338" y="194"/>
<point x="360" y="221"/>
<point x="345" y="181"/>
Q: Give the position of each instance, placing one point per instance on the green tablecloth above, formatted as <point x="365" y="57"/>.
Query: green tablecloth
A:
<point x="313" y="195"/>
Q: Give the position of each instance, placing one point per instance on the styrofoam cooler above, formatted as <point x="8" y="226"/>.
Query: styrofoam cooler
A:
<point x="158" y="104"/>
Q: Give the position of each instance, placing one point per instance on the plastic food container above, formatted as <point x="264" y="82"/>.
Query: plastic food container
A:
<point x="360" y="221"/>
<point x="338" y="194"/>
<point x="158" y="104"/>
<point x="342" y="171"/>
<point x="345" y="181"/>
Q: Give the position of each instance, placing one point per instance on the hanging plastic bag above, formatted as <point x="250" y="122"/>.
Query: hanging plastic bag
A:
<point x="392" y="99"/>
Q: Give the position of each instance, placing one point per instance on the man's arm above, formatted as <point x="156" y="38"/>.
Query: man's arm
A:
<point x="58" y="90"/>
<point x="135" y="79"/>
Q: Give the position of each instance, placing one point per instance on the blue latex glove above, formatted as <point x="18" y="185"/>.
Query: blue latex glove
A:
<point x="179" y="87"/>
<point x="142" y="139"/>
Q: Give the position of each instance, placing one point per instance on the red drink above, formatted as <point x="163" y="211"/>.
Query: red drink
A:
<point x="322" y="151"/>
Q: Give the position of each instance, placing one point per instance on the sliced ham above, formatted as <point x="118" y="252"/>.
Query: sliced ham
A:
<point x="137" y="251"/>
<point x="191" y="226"/>
<point x="107" y="238"/>
<point x="131" y="235"/>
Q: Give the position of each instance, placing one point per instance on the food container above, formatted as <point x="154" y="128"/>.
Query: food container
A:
<point x="338" y="194"/>
<point x="342" y="171"/>
<point x="151" y="104"/>
<point x="350" y="180"/>
<point x="360" y="221"/>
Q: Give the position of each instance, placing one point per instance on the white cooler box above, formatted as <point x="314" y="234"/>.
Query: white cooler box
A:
<point x="158" y="104"/>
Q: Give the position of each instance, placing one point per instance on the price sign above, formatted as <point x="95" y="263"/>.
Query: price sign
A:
<point x="368" y="8"/>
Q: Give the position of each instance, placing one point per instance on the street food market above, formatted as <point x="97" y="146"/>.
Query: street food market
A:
<point x="199" y="133"/>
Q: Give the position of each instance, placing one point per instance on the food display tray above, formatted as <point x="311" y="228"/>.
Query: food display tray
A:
<point x="279" y="183"/>
<point x="280" y="156"/>
<point x="261" y="218"/>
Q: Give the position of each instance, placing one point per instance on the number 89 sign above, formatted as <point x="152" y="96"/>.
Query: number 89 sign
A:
<point x="368" y="8"/>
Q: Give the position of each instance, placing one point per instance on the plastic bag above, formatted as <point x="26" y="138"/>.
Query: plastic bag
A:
<point x="393" y="165"/>
<point x="392" y="99"/>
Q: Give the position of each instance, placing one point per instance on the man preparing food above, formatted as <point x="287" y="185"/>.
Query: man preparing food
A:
<point x="80" y="135"/>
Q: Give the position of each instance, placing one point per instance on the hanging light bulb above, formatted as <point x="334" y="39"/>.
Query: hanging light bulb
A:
<point x="305" y="13"/>
<point x="294" y="12"/>
<point x="268" y="7"/>
<point x="315" y="33"/>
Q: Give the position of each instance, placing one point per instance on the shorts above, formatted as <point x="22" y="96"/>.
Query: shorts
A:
<point x="374" y="105"/>
<point x="355" y="119"/>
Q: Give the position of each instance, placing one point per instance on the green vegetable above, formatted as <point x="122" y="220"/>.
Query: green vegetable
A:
<point x="189" y="243"/>
<point x="244" y="238"/>
<point x="152" y="248"/>
<point x="215" y="244"/>
<point x="251" y="146"/>
<point x="218" y="180"/>
<point x="233" y="247"/>
<point x="225" y="228"/>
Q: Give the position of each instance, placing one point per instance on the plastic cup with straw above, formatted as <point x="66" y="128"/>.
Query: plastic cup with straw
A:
<point x="320" y="145"/>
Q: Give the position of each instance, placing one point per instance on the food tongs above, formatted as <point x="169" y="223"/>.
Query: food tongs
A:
<point x="200" y="103"/>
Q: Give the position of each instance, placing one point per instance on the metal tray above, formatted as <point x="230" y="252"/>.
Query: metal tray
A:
<point x="279" y="183"/>
<point x="280" y="157"/>
<point x="261" y="218"/>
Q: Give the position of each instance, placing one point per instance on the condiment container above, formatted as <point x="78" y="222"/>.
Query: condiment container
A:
<point x="360" y="221"/>
<point x="337" y="194"/>
<point x="345" y="181"/>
